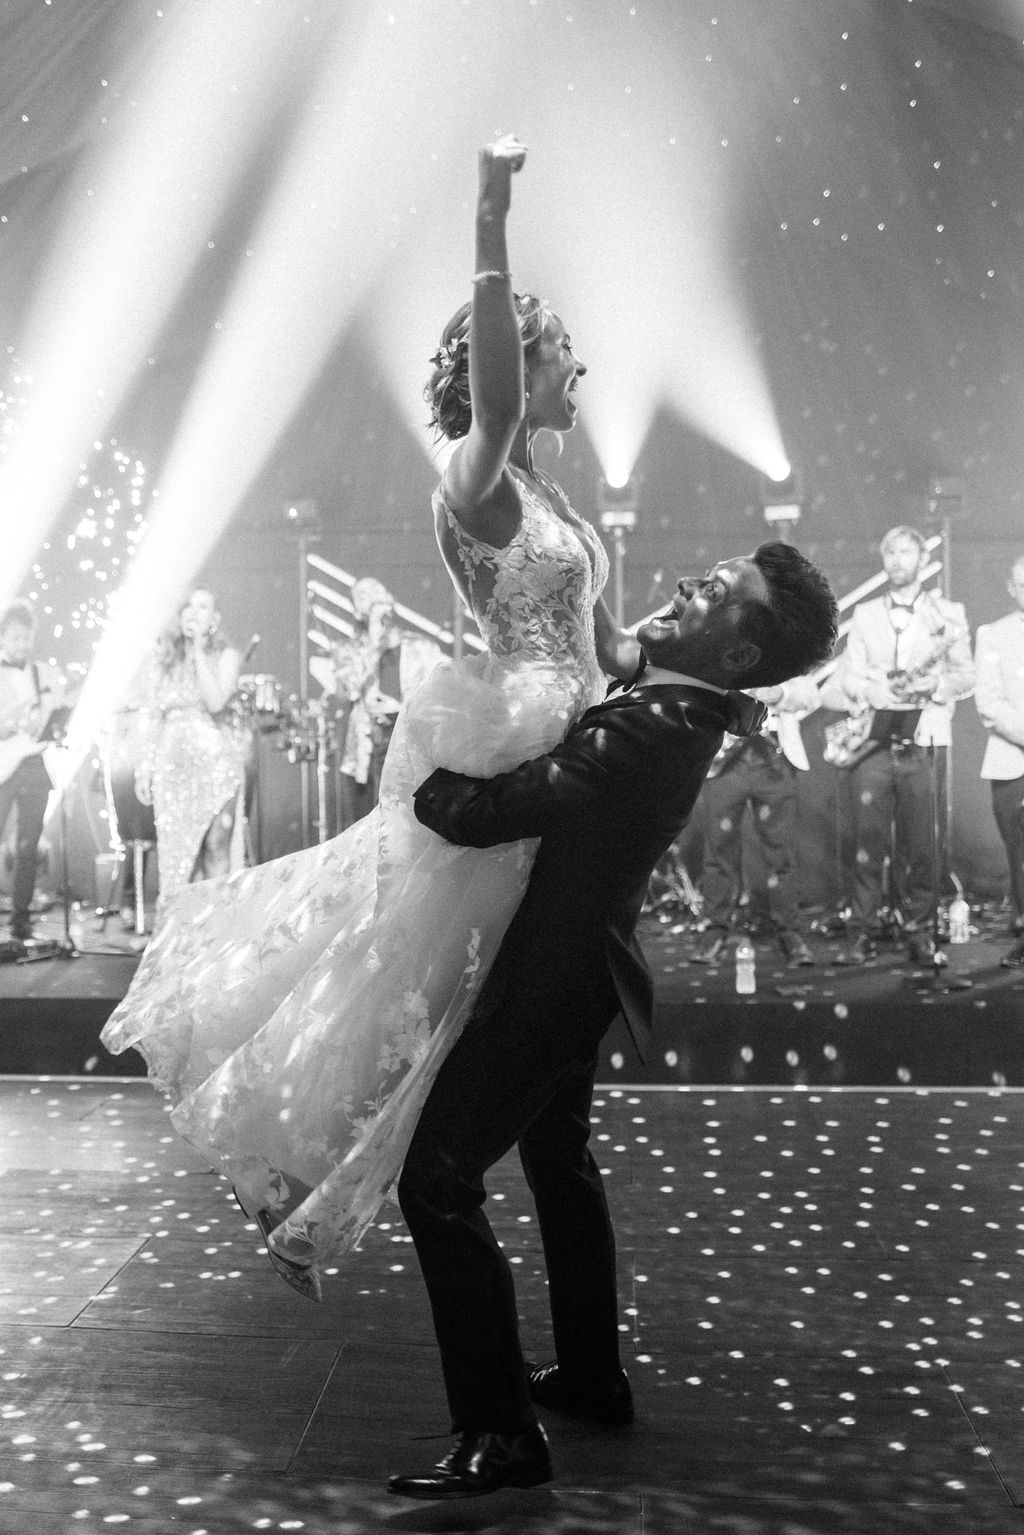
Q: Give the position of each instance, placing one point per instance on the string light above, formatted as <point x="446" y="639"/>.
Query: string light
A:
<point x="80" y="569"/>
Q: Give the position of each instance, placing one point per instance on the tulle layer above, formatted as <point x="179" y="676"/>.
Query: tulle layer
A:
<point x="297" y="1013"/>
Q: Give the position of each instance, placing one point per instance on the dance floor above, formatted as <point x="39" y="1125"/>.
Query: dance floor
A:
<point x="822" y="1316"/>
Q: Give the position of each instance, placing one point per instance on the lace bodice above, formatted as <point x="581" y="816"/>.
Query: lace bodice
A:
<point x="534" y="599"/>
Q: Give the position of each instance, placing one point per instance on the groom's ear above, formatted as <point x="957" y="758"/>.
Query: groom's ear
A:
<point x="740" y="658"/>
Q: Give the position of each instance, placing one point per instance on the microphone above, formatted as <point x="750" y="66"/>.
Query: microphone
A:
<point x="250" y="648"/>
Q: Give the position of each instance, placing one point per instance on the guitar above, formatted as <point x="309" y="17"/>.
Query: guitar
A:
<point x="27" y="739"/>
<point x="850" y="740"/>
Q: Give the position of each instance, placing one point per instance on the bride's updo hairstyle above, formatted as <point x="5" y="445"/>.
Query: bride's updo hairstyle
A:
<point x="447" y="390"/>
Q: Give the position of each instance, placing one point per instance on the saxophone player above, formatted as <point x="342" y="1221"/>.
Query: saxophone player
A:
<point x="907" y="662"/>
<point x="999" y="700"/>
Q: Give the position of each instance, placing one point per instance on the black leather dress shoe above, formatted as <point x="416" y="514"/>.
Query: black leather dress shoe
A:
<point x="1013" y="959"/>
<point x="611" y="1403"/>
<point x="709" y="951"/>
<point x="922" y="951"/>
<point x="482" y="1463"/>
<point x="794" y="949"/>
<point x="860" y="951"/>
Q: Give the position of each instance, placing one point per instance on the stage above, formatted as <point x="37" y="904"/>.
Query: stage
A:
<point x="821" y="1316"/>
<point x="879" y="1025"/>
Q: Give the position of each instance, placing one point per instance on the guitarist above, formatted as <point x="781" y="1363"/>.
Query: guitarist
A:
<point x="29" y="690"/>
<point x="908" y="658"/>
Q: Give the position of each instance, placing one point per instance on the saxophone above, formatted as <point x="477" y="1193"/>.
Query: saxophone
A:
<point x="849" y="740"/>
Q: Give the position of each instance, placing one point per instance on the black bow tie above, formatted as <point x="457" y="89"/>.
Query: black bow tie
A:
<point x="641" y="667"/>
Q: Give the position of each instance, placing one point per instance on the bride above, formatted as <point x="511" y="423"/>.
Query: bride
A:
<point x="296" y="1013"/>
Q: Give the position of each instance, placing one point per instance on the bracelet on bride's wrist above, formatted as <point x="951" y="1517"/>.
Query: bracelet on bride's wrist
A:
<point x="492" y="275"/>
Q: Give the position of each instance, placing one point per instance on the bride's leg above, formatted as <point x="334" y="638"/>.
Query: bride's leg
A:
<point x="300" y="1276"/>
<point x="215" y="853"/>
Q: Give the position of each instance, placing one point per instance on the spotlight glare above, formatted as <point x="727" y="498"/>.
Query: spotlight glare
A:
<point x="84" y="335"/>
<point x="617" y="474"/>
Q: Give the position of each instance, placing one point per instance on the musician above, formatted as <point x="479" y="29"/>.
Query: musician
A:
<point x="757" y="773"/>
<point x="908" y="659"/>
<point x="29" y="691"/>
<point x="370" y="675"/>
<point x="999" y="699"/>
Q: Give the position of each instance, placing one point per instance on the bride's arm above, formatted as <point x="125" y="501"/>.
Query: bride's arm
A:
<point x="496" y="372"/>
<point x="618" y="650"/>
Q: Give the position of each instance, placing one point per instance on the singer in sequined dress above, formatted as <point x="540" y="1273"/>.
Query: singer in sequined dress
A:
<point x="193" y="765"/>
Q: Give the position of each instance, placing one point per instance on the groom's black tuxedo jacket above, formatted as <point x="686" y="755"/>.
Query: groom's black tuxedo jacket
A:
<point x="606" y="803"/>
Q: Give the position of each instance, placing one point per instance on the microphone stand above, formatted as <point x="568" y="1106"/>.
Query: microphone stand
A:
<point x="939" y="979"/>
<point x="66" y="947"/>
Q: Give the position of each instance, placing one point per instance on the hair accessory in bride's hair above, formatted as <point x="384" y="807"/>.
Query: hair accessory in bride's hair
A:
<point x="448" y="352"/>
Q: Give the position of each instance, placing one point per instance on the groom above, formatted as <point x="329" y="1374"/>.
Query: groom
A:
<point x="606" y="804"/>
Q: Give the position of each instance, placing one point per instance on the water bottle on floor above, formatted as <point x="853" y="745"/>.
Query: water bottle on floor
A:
<point x="746" y="976"/>
<point x="959" y="920"/>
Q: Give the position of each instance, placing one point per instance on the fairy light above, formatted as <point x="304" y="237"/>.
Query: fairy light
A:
<point x="79" y="572"/>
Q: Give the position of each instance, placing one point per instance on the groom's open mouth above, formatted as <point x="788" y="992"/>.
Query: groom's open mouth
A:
<point x="668" y="619"/>
<point x="663" y="620"/>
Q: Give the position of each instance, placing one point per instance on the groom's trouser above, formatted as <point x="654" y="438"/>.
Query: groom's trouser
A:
<point x="529" y="1080"/>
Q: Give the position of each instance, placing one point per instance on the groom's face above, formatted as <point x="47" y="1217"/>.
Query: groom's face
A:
<point x="702" y="632"/>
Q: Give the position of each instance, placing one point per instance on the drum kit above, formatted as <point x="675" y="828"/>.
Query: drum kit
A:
<point x="304" y="729"/>
<point x="300" y="727"/>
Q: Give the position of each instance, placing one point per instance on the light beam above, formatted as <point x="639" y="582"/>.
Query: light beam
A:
<point x="138" y="213"/>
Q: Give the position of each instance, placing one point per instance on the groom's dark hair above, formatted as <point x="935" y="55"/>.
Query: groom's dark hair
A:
<point x="796" y="626"/>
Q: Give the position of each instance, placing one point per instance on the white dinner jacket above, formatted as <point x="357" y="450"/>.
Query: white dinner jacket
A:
<point x="999" y="694"/>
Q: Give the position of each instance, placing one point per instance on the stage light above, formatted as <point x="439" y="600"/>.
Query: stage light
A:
<point x="303" y="515"/>
<point x="946" y="488"/>
<point x="779" y="472"/>
<point x="617" y="509"/>
<point x="782" y="502"/>
<point x="616" y="473"/>
<point x="617" y="505"/>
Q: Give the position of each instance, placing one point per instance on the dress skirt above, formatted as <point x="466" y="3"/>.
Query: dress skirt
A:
<point x="296" y="1013"/>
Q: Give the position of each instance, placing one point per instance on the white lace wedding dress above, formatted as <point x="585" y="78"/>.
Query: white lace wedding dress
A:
<point x="297" y="1013"/>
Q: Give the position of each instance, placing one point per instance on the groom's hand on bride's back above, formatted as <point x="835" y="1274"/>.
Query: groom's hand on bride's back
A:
<point x="439" y="798"/>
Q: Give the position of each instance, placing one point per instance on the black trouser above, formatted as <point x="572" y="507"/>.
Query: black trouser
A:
<point x="506" y="1082"/>
<point x="767" y="784"/>
<point x="29" y="788"/>
<point x="1007" y="794"/>
<point x="896" y="782"/>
